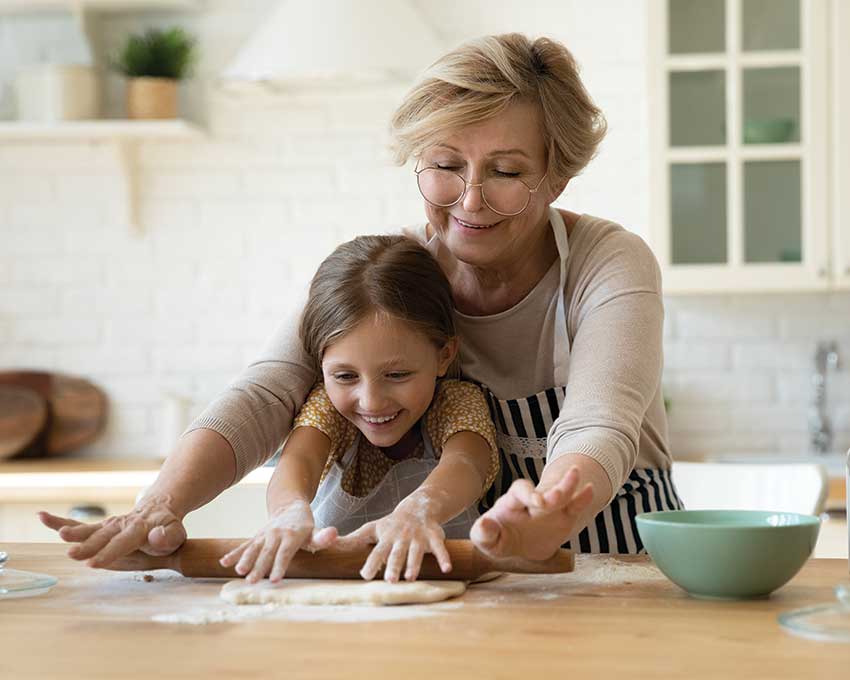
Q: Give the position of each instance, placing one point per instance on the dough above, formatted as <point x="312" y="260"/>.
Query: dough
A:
<point x="333" y="591"/>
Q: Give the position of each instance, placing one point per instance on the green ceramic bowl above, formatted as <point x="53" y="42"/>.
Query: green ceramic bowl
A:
<point x="728" y="554"/>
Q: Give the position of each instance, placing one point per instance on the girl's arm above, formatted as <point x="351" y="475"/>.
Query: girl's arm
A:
<point x="415" y="526"/>
<point x="291" y="527"/>
<point x="458" y="480"/>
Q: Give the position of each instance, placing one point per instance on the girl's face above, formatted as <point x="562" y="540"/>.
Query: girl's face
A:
<point x="381" y="376"/>
<point x="508" y="145"/>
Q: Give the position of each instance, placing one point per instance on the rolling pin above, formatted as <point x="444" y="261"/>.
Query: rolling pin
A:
<point x="199" y="558"/>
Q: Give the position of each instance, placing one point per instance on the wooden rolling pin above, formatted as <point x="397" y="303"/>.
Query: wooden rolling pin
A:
<point x="200" y="558"/>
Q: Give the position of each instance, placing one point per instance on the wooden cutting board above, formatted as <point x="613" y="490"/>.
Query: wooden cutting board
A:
<point x="76" y="408"/>
<point x="23" y="419"/>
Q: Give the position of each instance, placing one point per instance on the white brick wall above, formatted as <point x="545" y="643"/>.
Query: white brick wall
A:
<point x="236" y="224"/>
<point x="738" y="371"/>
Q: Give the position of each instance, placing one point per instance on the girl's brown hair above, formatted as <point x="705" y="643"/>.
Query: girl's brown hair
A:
<point x="479" y="79"/>
<point x="393" y="275"/>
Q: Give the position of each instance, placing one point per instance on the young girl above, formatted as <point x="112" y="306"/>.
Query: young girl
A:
<point x="385" y="445"/>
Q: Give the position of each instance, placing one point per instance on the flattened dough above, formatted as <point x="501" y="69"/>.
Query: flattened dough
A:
<point x="333" y="591"/>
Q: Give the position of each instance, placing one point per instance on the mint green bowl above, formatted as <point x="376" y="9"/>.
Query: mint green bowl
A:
<point x="728" y="554"/>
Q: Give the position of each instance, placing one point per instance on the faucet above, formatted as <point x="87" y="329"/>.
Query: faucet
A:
<point x="820" y="427"/>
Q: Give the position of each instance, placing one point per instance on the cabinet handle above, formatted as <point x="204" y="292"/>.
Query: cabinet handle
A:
<point x="87" y="513"/>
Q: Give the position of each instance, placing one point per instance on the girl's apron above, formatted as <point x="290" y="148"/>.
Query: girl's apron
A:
<point x="335" y="507"/>
<point x="522" y="427"/>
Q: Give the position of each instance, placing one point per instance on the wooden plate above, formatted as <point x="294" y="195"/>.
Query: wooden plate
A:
<point x="23" y="418"/>
<point x="77" y="408"/>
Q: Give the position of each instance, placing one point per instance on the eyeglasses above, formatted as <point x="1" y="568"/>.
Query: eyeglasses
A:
<point x="506" y="196"/>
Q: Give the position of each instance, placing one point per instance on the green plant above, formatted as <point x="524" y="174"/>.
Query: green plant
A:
<point x="157" y="54"/>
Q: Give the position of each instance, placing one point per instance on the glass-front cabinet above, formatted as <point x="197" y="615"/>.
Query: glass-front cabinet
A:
<point x="741" y="144"/>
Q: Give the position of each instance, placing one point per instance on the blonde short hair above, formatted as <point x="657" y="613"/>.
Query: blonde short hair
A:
<point x="479" y="79"/>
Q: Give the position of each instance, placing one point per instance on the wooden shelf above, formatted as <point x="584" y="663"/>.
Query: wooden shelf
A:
<point x="122" y="135"/>
<point x="23" y="131"/>
<point x="38" y="6"/>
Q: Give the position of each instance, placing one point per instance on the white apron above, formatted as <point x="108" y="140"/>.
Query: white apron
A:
<point x="522" y="427"/>
<point x="335" y="507"/>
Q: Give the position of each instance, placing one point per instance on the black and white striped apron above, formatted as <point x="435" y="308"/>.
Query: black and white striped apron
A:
<point x="522" y="426"/>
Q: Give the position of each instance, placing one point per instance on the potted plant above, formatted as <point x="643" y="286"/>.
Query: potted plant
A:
<point x="153" y="63"/>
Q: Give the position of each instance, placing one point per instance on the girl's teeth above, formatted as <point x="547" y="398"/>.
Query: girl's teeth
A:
<point x="378" y="421"/>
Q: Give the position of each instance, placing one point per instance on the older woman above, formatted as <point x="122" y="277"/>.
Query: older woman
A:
<point x="560" y="317"/>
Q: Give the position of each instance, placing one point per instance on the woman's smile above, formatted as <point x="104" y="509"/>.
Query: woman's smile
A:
<point x="472" y="226"/>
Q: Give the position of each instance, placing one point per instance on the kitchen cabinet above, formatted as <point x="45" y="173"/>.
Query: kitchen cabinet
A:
<point x="62" y="486"/>
<point x="748" y="192"/>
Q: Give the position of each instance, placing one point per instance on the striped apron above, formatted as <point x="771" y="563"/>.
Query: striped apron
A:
<point x="522" y="427"/>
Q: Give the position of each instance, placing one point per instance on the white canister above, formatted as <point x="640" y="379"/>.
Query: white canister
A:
<point x="175" y="420"/>
<point x="48" y="93"/>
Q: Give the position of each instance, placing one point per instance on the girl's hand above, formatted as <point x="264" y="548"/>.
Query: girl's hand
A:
<point x="527" y="523"/>
<point x="151" y="527"/>
<point x="289" y="530"/>
<point x="401" y="540"/>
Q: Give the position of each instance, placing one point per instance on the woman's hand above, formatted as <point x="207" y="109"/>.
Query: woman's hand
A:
<point x="290" y="529"/>
<point x="401" y="540"/>
<point x="152" y="527"/>
<point x="526" y="522"/>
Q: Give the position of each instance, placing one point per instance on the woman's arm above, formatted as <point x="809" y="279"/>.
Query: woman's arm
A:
<point x="200" y="467"/>
<point x="290" y="527"/>
<point x="236" y="433"/>
<point x="616" y="322"/>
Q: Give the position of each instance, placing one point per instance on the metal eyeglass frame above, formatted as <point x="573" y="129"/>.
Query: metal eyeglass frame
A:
<point x="468" y="185"/>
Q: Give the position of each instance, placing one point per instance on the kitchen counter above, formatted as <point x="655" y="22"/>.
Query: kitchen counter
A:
<point x="98" y="624"/>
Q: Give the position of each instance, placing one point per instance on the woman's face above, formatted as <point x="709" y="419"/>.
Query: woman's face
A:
<point x="510" y="144"/>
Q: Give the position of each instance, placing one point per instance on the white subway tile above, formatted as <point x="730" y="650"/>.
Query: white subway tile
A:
<point x="688" y="444"/>
<point x="770" y="355"/>
<point x="282" y="182"/>
<point x="210" y="184"/>
<point x="129" y="420"/>
<point x="24" y="186"/>
<point x="719" y="322"/>
<point x="122" y="360"/>
<point x="696" y="355"/>
<point x="106" y="302"/>
<point x="330" y="147"/>
<point x="706" y="418"/>
<point x="198" y="358"/>
<point x="711" y="388"/>
<point x="768" y="418"/>
<point x="57" y="270"/>
<point x="27" y="302"/>
<point x="28" y="357"/>
<point x="52" y="332"/>
<point x="73" y="156"/>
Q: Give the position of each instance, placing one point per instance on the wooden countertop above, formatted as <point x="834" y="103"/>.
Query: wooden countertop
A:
<point x="98" y="624"/>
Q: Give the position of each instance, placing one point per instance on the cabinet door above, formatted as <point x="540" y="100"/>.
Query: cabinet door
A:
<point x="19" y="521"/>
<point x="841" y="165"/>
<point x="739" y="144"/>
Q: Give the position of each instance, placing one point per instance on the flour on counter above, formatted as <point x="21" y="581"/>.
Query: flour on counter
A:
<point x="326" y="614"/>
<point x="595" y="569"/>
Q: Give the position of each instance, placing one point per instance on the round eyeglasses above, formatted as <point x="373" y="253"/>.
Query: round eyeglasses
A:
<point x="506" y="196"/>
